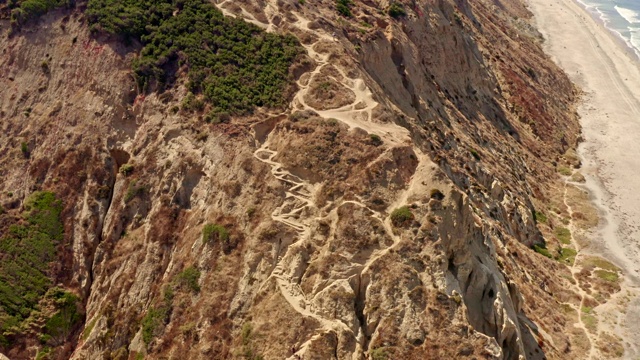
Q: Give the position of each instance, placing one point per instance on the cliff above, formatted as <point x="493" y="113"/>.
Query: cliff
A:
<point x="389" y="208"/>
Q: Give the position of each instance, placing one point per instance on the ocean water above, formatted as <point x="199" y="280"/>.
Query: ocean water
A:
<point x="620" y="16"/>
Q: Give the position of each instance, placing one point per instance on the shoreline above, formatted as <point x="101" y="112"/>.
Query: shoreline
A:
<point x="608" y="72"/>
<point x="597" y="17"/>
<point x="594" y="117"/>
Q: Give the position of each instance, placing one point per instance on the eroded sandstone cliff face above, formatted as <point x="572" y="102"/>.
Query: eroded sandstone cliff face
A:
<point x="387" y="213"/>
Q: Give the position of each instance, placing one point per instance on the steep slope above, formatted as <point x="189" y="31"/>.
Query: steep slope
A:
<point x="387" y="211"/>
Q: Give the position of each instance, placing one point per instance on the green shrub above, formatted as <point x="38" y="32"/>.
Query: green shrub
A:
<point x="33" y="8"/>
<point x="542" y="249"/>
<point x="235" y="65"/>
<point x="152" y="324"/>
<point x="375" y="140"/>
<point x="25" y="149"/>
<point x="126" y="169"/>
<point x="401" y="216"/>
<point x="332" y="122"/>
<point x="475" y="154"/>
<point x="217" y="117"/>
<point x="214" y="232"/>
<point x="457" y="19"/>
<point x="540" y="217"/>
<point x="189" y="278"/>
<point x="60" y="325"/>
<point x="397" y="10"/>
<point x="192" y="103"/>
<point x="563" y="170"/>
<point x="344" y="7"/>
<point x="379" y="354"/>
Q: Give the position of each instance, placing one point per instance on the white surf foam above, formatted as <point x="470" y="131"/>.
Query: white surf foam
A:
<point x="625" y="24"/>
<point x="632" y="16"/>
<point x="635" y="39"/>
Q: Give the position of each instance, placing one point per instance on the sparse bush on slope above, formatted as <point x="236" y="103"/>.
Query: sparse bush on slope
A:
<point x="401" y="216"/>
<point x="25" y="10"/>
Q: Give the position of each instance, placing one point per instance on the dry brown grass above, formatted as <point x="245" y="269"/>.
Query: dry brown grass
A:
<point x="328" y="94"/>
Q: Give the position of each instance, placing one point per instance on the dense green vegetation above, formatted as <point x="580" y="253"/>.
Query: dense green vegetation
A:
<point x="59" y="326"/>
<point x="189" y="278"/>
<point x="540" y="217"/>
<point x="126" y="169"/>
<point x="215" y="232"/>
<point x="344" y="7"/>
<point x="153" y="323"/>
<point x="396" y="10"/>
<point x="542" y="250"/>
<point x="234" y="65"/>
<point x="26" y="252"/>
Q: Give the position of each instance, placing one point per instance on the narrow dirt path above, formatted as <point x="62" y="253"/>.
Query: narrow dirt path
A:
<point x="575" y="269"/>
<point x="299" y="210"/>
<point x="246" y="16"/>
<point x="359" y="112"/>
<point x="298" y="198"/>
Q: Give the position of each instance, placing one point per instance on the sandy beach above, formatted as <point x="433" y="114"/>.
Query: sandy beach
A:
<point x="608" y="73"/>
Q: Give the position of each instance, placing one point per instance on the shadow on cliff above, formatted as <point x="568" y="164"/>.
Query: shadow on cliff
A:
<point x="417" y="71"/>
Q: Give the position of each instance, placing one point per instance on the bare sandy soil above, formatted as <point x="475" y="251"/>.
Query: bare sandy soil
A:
<point x="609" y="75"/>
